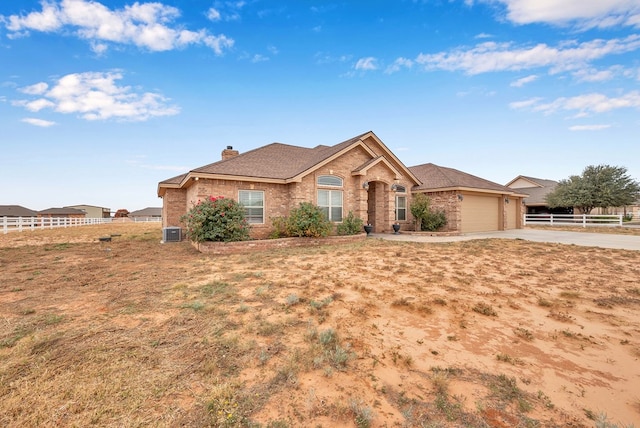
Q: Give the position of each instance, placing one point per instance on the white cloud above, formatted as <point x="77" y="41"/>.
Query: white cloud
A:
<point x="491" y="56"/>
<point x="398" y="64"/>
<point x="525" y="103"/>
<point x="483" y="36"/>
<point x="583" y="13"/>
<point x="259" y="58"/>
<point x="583" y="105"/>
<point x="366" y="64"/>
<point x="213" y="15"/>
<point x="96" y="96"/>
<point x="523" y="81"/>
<point x="37" y="89"/>
<point x="145" y="25"/>
<point x="38" y="122"/>
<point x="588" y="127"/>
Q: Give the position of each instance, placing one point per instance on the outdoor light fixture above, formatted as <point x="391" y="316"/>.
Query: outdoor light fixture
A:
<point x="365" y="185"/>
<point x="460" y="197"/>
<point x="506" y="200"/>
<point x="394" y="187"/>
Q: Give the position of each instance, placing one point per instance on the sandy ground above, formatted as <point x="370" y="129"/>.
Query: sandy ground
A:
<point x="490" y="333"/>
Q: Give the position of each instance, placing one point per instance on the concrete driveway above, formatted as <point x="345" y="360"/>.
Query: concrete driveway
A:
<point x="603" y="240"/>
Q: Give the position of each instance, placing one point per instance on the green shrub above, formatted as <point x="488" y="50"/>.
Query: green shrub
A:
<point x="351" y="225"/>
<point x="428" y="219"/>
<point x="216" y="219"/>
<point x="433" y="220"/>
<point x="307" y="220"/>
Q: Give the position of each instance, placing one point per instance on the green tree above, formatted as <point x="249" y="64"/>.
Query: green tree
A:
<point x="420" y="208"/>
<point x="600" y="186"/>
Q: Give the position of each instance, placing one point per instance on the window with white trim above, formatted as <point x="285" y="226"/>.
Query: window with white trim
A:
<point x="253" y="203"/>
<point x="401" y="208"/>
<point x="330" y="200"/>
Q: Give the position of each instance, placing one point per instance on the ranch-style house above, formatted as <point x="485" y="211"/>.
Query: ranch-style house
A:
<point x="359" y="175"/>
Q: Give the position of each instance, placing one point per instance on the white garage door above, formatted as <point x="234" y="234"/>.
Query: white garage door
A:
<point x="512" y="212"/>
<point x="480" y="213"/>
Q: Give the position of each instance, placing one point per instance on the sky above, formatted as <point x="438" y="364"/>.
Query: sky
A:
<point x="101" y="100"/>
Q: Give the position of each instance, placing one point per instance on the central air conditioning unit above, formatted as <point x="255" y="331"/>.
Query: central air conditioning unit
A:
<point x="171" y="234"/>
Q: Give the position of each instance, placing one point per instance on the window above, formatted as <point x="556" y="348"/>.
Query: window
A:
<point x="253" y="202"/>
<point x="329" y="180"/>
<point x="330" y="201"/>
<point x="401" y="208"/>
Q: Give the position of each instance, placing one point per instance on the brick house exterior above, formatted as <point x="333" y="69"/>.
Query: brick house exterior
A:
<point x="360" y="175"/>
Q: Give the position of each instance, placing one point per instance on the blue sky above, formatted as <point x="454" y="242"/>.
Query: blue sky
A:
<point x="101" y="100"/>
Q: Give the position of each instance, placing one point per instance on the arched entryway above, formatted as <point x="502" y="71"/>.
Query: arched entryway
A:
<point x="380" y="208"/>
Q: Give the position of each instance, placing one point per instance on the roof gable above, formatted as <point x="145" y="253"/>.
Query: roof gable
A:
<point x="522" y="181"/>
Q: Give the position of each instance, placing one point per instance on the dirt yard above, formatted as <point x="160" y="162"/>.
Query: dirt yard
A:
<point x="488" y="333"/>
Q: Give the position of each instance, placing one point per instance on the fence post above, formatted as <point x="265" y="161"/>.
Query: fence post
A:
<point x="5" y="226"/>
<point x="584" y="220"/>
<point x="620" y="220"/>
<point x="551" y="220"/>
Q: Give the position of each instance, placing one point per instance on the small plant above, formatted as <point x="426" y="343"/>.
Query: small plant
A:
<point x="351" y="225"/>
<point x="363" y="415"/>
<point x="523" y="333"/>
<point x="544" y="302"/>
<point x="484" y="309"/>
<point x="292" y="299"/>
<point x="216" y="219"/>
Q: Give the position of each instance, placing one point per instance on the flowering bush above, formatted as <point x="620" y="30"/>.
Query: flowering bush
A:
<point x="216" y="219"/>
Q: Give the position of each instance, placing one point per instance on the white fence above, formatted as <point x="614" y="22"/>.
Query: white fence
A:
<point x="583" y="220"/>
<point x="20" y="224"/>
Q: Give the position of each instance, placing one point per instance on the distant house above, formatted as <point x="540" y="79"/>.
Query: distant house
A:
<point x="537" y="189"/>
<point x="93" y="211"/>
<point x="146" y="214"/>
<point x="16" y="211"/>
<point x="62" y="213"/>
<point x="359" y="175"/>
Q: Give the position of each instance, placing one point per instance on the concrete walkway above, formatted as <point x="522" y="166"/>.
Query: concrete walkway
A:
<point x="603" y="240"/>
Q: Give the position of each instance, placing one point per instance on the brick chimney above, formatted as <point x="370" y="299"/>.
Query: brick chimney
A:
<point x="229" y="153"/>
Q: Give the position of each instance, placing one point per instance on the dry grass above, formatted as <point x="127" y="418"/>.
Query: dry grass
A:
<point x="486" y="333"/>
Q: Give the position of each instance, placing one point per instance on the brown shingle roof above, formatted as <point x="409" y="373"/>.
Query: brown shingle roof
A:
<point x="274" y="161"/>
<point x="62" y="211"/>
<point x="435" y="177"/>
<point x="147" y="212"/>
<point x="16" y="211"/>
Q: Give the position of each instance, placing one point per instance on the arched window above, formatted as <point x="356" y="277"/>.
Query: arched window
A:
<point x="329" y="180"/>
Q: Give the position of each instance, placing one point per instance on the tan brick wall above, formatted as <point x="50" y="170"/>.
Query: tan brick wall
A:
<point x="173" y="207"/>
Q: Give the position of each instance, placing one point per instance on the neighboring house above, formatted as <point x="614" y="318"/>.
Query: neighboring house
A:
<point x="537" y="189"/>
<point x="16" y="211"/>
<point x="360" y="175"/>
<point x="146" y="214"/>
<point x="472" y="204"/>
<point x="62" y="213"/>
<point x="93" y="211"/>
